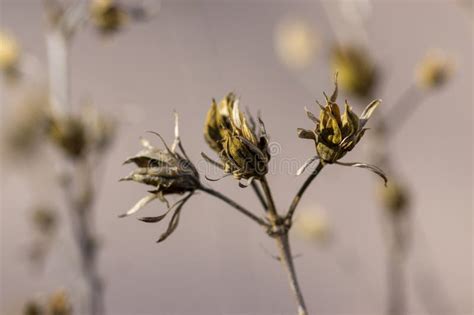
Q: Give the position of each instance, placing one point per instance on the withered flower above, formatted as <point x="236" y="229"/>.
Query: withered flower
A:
<point x="335" y="134"/>
<point x="108" y="15"/>
<point x="242" y="149"/>
<point x="169" y="172"/>
<point x="434" y="70"/>
<point x="357" y="71"/>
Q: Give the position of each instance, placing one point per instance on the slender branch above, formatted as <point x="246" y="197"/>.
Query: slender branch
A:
<point x="395" y="267"/>
<point x="287" y="260"/>
<point x="272" y="212"/>
<point x="301" y="191"/>
<point x="80" y="205"/>
<point x="259" y="194"/>
<point x="406" y="104"/>
<point x="283" y="244"/>
<point x="58" y="62"/>
<point x="234" y="204"/>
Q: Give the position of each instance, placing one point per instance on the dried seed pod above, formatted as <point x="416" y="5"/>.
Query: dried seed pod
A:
<point x="334" y="134"/>
<point x="169" y="172"/>
<point x="242" y="149"/>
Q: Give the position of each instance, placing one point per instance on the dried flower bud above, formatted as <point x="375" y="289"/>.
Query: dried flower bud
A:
<point x="9" y="56"/>
<point x="68" y="134"/>
<point x="434" y="70"/>
<point x="357" y="72"/>
<point x="395" y="197"/>
<point x="243" y="151"/>
<point x="32" y="308"/>
<point x="169" y="172"/>
<point x="335" y="134"/>
<point x="217" y="121"/>
<point x="59" y="304"/>
<point x="108" y="15"/>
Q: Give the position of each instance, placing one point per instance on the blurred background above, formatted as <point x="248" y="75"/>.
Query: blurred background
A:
<point x="278" y="57"/>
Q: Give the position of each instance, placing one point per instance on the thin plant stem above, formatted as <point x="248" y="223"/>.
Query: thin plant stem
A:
<point x="272" y="212"/>
<point x="301" y="191"/>
<point x="58" y="63"/>
<point x="283" y="244"/>
<point x="235" y="205"/>
<point x="259" y="194"/>
<point x="406" y="104"/>
<point x="286" y="259"/>
<point x="395" y="268"/>
<point x="80" y="205"/>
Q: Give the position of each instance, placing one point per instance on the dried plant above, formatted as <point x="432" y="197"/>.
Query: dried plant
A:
<point x="242" y="147"/>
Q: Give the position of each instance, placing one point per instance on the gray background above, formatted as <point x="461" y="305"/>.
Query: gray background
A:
<point x="214" y="263"/>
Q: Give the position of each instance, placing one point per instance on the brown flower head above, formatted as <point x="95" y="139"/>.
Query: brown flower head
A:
<point x="242" y="149"/>
<point x="334" y="134"/>
<point x="169" y="172"/>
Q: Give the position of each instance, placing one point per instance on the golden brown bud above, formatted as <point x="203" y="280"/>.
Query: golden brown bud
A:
<point x="243" y="151"/>
<point x="335" y="135"/>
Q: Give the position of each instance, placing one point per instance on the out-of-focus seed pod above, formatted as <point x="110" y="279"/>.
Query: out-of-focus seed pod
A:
<point x="59" y="304"/>
<point x="32" y="308"/>
<point x="434" y="70"/>
<point x="296" y="43"/>
<point x="313" y="226"/>
<point x="395" y="197"/>
<point x="356" y="69"/>
<point x="44" y="220"/>
<point x="10" y="55"/>
<point x="108" y="15"/>
<point x="68" y="134"/>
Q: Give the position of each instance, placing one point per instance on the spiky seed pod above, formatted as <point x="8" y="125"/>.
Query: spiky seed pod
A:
<point x="334" y="134"/>
<point x="337" y="134"/>
<point x="357" y="71"/>
<point x="242" y="149"/>
<point x="169" y="172"/>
